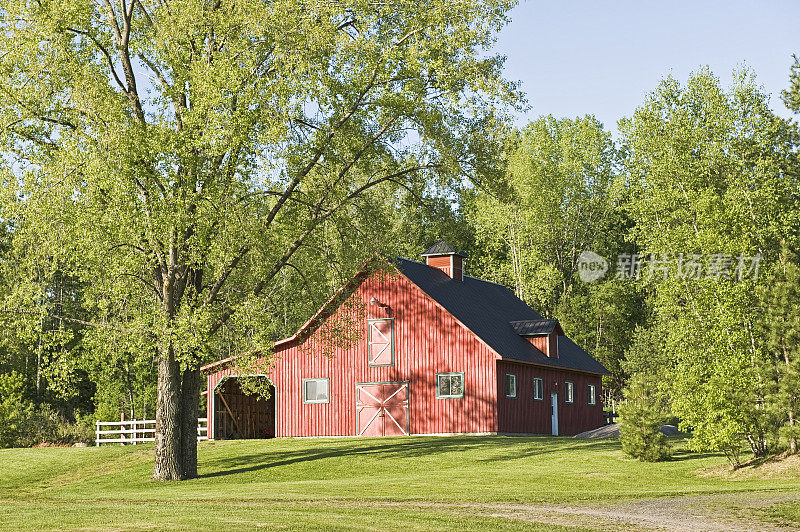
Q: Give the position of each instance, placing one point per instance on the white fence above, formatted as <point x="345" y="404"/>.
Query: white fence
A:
<point x="135" y="431"/>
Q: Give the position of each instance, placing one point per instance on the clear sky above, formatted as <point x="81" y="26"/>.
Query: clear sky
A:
<point x="603" y="57"/>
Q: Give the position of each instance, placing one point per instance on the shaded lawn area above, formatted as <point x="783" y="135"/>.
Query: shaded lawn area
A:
<point x="329" y="483"/>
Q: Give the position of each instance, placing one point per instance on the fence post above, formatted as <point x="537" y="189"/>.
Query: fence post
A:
<point x="97" y="434"/>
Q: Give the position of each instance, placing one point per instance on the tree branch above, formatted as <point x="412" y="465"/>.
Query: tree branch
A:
<point x="280" y="263"/>
<point x="105" y="52"/>
<point x="66" y="319"/>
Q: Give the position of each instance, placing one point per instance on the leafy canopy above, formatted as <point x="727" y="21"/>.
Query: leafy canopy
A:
<point x="177" y="155"/>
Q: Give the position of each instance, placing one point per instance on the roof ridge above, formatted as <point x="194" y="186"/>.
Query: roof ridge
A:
<point x="443" y="247"/>
<point x="470" y="276"/>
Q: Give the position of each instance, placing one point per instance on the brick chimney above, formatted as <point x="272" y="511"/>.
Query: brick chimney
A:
<point x="446" y="258"/>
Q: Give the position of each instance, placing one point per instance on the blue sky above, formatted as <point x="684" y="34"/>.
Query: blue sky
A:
<point x="603" y="57"/>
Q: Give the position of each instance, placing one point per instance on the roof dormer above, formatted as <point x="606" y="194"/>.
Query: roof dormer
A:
<point x="542" y="334"/>
<point x="446" y="258"/>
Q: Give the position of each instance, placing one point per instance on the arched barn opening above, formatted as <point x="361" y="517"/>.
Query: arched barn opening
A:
<point x="241" y="416"/>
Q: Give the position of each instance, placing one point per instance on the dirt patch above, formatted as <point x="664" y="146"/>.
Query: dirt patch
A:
<point x="50" y="444"/>
<point x="782" y="467"/>
<point x="735" y="512"/>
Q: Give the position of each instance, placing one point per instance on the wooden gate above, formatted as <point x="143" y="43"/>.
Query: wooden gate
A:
<point x="382" y="408"/>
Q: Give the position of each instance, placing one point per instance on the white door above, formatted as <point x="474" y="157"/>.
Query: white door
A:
<point x="554" y="413"/>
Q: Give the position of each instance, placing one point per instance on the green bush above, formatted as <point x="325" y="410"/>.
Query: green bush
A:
<point x="642" y="415"/>
<point x="24" y="425"/>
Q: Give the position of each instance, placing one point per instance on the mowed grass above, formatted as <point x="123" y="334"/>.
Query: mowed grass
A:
<point x="342" y="483"/>
<point x="786" y="514"/>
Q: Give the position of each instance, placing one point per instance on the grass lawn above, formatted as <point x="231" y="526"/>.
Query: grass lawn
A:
<point x="415" y="483"/>
<point x="785" y="514"/>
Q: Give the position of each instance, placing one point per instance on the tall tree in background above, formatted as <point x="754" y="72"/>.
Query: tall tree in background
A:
<point x="780" y="326"/>
<point x="177" y="156"/>
<point x="707" y="181"/>
<point x="556" y="202"/>
<point x="554" y="207"/>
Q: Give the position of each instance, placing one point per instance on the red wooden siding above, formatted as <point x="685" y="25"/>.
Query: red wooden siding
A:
<point x="539" y="342"/>
<point x="526" y="415"/>
<point x="458" y="267"/>
<point x="552" y="348"/>
<point x="427" y="341"/>
<point x="452" y="265"/>
<point x="442" y="262"/>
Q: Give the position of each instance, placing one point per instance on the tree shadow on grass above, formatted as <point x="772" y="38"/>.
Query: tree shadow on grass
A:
<point x="679" y="455"/>
<point x="501" y="448"/>
<point x="565" y="444"/>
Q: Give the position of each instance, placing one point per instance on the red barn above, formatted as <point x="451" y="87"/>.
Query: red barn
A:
<point x="442" y="353"/>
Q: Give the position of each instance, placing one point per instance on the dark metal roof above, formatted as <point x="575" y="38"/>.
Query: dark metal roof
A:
<point x="488" y="309"/>
<point x="533" y="327"/>
<point x="443" y="248"/>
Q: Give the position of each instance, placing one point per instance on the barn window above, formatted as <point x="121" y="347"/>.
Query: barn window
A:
<point x="511" y="385"/>
<point x="316" y="391"/>
<point x="592" y="395"/>
<point x="538" y="389"/>
<point x="449" y="385"/>
<point x="569" y="392"/>
<point x="380" y="342"/>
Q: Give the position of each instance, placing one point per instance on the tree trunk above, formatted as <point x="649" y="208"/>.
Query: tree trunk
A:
<point x="791" y="406"/>
<point x="168" y="459"/>
<point x="190" y="391"/>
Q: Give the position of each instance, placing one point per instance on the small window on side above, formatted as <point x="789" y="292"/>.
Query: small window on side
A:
<point x="592" y="395"/>
<point x="449" y="385"/>
<point x="511" y="385"/>
<point x="538" y="389"/>
<point x="316" y="391"/>
<point x="569" y="392"/>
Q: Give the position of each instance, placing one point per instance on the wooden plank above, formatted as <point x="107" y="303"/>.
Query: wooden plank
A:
<point x="235" y="422"/>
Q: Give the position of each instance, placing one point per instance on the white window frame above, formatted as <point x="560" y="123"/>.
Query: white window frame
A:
<point x="569" y="392"/>
<point x="451" y="374"/>
<point x="592" y="394"/>
<point x="538" y="386"/>
<point x="306" y="401"/>
<point x="514" y="381"/>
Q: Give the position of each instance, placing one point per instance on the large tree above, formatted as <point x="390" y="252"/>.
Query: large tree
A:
<point x="178" y="155"/>
<point x="709" y="184"/>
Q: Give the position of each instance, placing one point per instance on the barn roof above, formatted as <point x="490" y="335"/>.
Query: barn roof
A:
<point x="443" y="248"/>
<point x="488" y="310"/>
<point x="534" y="327"/>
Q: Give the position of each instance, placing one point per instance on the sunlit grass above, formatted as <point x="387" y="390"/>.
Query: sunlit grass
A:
<point x="339" y="483"/>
